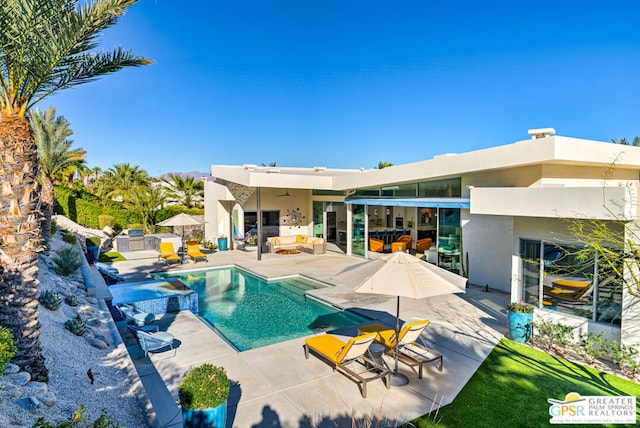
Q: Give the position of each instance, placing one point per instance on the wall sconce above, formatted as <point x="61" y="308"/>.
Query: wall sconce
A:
<point x="388" y="211"/>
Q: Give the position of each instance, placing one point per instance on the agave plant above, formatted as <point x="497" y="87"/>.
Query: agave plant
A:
<point x="71" y="300"/>
<point x="75" y="325"/>
<point x="50" y="300"/>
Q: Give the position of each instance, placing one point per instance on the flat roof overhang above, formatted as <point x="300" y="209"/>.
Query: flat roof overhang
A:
<point x="413" y="202"/>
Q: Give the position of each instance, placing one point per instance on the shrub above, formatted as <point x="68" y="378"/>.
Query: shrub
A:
<point x="78" y="420"/>
<point x="135" y="226"/>
<point x="72" y="300"/>
<point x="106" y="220"/>
<point x="85" y="208"/>
<point x="70" y="238"/>
<point x="7" y="348"/>
<point x="66" y="260"/>
<point x="54" y="227"/>
<point x="93" y="241"/>
<point x="552" y="336"/>
<point x="203" y="387"/>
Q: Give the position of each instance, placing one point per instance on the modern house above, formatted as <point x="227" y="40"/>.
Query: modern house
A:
<point x="502" y="216"/>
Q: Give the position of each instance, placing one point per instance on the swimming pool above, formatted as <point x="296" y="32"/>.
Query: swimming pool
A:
<point x="250" y="312"/>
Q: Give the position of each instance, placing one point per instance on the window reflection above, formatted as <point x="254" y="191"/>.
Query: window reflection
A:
<point x="570" y="281"/>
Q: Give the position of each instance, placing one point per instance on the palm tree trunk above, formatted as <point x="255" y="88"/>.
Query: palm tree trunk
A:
<point x="46" y="199"/>
<point x="20" y="242"/>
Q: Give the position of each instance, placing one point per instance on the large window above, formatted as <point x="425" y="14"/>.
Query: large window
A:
<point x="568" y="279"/>
<point x="318" y="222"/>
<point x="449" y="188"/>
<point x="358" y="230"/>
<point x="449" y="235"/>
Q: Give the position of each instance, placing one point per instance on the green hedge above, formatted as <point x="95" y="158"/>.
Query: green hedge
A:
<point x="86" y="208"/>
<point x="92" y="211"/>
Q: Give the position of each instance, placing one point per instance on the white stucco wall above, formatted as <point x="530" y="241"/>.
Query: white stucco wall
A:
<point x="488" y="240"/>
<point x="216" y="215"/>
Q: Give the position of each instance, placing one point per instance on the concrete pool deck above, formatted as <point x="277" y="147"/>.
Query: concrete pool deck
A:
<point x="276" y="386"/>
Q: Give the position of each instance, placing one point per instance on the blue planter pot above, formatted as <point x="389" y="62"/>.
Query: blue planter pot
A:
<point x="92" y="254"/>
<point x="222" y="244"/>
<point x="520" y="327"/>
<point x="215" y="417"/>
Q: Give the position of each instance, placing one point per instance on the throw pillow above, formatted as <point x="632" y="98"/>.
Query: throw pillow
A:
<point x="301" y="239"/>
<point x="275" y="241"/>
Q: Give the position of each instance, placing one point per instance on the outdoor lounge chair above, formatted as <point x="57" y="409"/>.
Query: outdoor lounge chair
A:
<point x="193" y="251"/>
<point x="135" y="316"/>
<point x="153" y="341"/>
<point x="569" y="291"/>
<point x="110" y="274"/>
<point x="410" y="352"/>
<point x="344" y="355"/>
<point x="168" y="254"/>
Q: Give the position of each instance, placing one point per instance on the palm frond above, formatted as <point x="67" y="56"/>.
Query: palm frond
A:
<point x="48" y="45"/>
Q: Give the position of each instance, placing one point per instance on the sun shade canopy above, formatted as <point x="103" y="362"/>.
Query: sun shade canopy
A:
<point x="413" y="202"/>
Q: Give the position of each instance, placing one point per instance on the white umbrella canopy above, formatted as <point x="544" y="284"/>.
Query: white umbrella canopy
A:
<point x="403" y="275"/>
<point x="181" y="219"/>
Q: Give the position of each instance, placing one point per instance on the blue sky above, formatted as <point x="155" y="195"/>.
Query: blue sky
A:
<point x="345" y="84"/>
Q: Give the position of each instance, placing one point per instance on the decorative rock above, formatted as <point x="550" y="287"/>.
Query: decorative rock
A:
<point x="28" y="403"/>
<point x="37" y="387"/>
<point x="91" y="300"/>
<point x="86" y="310"/>
<point x="10" y="368"/>
<point x="48" y="399"/>
<point x="20" y="378"/>
<point x="95" y="342"/>
<point x="93" y="322"/>
<point x="12" y="390"/>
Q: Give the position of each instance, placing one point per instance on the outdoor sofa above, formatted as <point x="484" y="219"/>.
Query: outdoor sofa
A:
<point x="304" y="243"/>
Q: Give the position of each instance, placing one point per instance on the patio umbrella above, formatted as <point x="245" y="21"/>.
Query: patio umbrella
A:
<point x="403" y="275"/>
<point x="183" y="220"/>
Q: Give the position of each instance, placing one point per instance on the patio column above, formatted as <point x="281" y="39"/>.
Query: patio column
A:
<point x="259" y="225"/>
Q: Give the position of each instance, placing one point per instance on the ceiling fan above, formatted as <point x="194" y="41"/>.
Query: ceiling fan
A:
<point x="286" y="194"/>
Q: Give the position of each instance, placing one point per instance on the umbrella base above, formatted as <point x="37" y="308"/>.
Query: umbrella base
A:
<point x="398" y="379"/>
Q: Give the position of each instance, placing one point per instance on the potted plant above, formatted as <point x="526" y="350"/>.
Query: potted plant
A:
<point x="520" y="321"/>
<point x="93" y="248"/>
<point x="222" y="243"/>
<point x="203" y="394"/>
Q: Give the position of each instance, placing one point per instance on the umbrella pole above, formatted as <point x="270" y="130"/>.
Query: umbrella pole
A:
<point x="398" y="379"/>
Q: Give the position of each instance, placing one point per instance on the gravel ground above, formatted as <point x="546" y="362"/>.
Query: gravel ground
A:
<point x="69" y="357"/>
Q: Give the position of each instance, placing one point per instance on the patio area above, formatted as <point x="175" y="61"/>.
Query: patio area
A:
<point x="276" y="386"/>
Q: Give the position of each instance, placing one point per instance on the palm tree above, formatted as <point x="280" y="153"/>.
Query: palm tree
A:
<point x="624" y="142"/>
<point x="45" y="46"/>
<point x="55" y="155"/>
<point x="187" y="191"/>
<point x="121" y="181"/>
<point x="383" y="164"/>
<point x="147" y="202"/>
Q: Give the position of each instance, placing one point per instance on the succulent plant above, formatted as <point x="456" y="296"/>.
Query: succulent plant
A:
<point x="75" y="325"/>
<point x="71" y="300"/>
<point x="50" y="300"/>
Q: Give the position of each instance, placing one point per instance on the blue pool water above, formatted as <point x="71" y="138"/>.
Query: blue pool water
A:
<point x="251" y="312"/>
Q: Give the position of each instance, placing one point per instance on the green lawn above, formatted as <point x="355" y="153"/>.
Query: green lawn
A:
<point x="511" y="388"/>
<point x="111" y="256"/>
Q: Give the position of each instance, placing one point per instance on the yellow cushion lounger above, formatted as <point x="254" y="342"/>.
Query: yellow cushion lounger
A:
<point x="410" y="352"/>
<point x="343" y="355"/>
<point x="167" y="253"/>
<point x="193" y="251"/>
